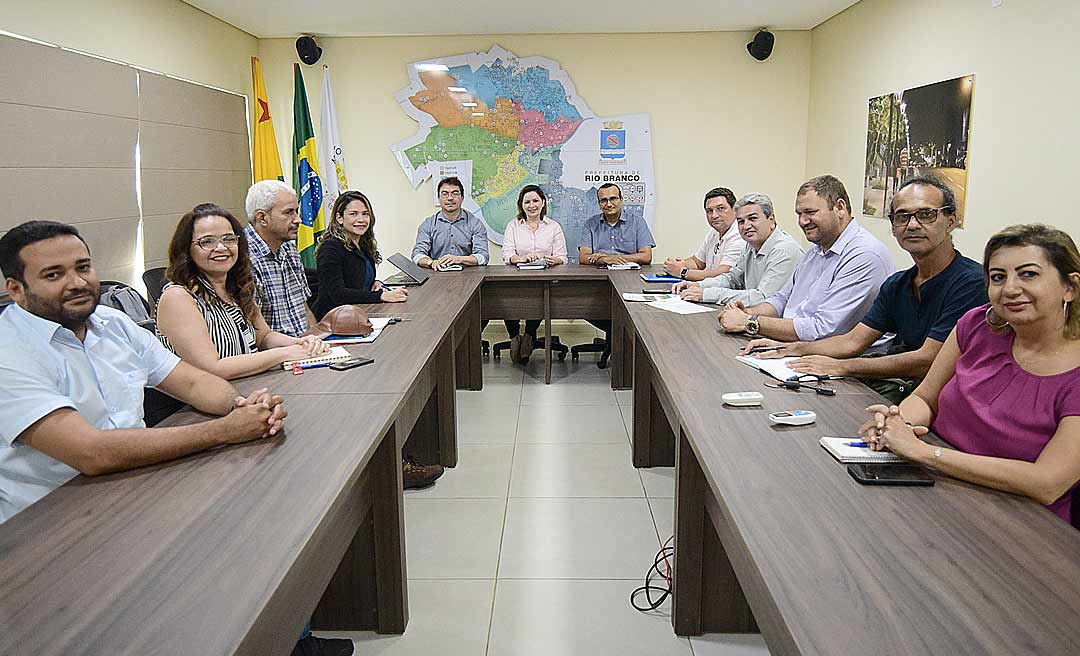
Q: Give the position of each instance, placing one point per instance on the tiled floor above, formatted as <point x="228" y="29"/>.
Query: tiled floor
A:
<point x="533" y="543"/>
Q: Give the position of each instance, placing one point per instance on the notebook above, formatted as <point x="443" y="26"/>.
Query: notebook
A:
<point x="838" y="447"/>
<point x="411" y="274"/>
<point x="377" y="325"/>
<point x="629" y="266"/>
<point x="659" y="277"/>
<point x="336" y="354"/>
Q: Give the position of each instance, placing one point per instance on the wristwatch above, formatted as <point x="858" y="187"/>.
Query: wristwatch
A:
<point x="682" y="274"/>
<point x="752" y="326"/>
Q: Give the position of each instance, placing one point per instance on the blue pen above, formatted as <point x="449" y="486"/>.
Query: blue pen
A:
<point x="313" y="366"/>
<point x="862" y="444"/>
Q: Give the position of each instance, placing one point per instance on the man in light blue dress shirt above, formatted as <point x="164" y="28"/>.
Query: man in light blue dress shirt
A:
<point x="835" y="283"/>
<point x="612" y="238"/>
<point x="72" y="375"/>
<point x="452" y="237"/>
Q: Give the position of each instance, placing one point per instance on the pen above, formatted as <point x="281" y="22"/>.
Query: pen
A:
<point x="862" y="444"/>
<point x="766" y="349"/>
<point x="317" y="365"/>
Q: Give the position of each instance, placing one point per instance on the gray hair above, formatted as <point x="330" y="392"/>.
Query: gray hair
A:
<point x="260" y="197"/>
<point x="761" y="200"/>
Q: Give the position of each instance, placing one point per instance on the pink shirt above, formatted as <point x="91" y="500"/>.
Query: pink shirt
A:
<point x="547" y="240"/>
<point x="992" y="407"/>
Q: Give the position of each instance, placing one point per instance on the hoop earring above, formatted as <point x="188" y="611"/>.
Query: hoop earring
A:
<point x="990" y="322"/>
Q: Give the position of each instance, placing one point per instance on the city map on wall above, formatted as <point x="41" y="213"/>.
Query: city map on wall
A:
<point x="499" y="122"/>
<point x="925" y="130"/>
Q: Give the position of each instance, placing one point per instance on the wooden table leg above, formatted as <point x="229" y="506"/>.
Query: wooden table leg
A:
<point x="707" y="595"/>
<point x="622" y="345"/>
<point x="469" y="365"/>
<point x="369" y="589"/>
<point x="653" y="434"/>
<point x="547" y="333"/>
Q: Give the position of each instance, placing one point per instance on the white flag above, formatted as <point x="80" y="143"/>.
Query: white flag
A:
<point x="332" y="156"/>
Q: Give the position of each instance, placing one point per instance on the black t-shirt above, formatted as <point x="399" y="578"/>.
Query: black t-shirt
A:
<point x="944" y="299"/>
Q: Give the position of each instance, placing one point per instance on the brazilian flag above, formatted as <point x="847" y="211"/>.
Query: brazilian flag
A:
<point x="306" y="179"/>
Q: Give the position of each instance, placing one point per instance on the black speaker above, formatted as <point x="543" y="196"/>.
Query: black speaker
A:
<point x="310" y="51"/>
<point x="761" y="47"/>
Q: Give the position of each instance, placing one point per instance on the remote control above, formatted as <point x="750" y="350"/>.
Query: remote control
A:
<point x="743" y="398"/>
<point x="793" y="418"/>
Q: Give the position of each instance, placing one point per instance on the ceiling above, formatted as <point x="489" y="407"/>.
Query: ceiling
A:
<point x="279" y="18"/>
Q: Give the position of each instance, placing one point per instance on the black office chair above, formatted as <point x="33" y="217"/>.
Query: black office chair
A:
<point x="598" y="345"/>
<point x="154" y="279"/>
<point x="313" y="284"/>
<point x="557" y="346"/>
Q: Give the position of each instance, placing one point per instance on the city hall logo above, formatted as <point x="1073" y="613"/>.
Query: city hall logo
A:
<point x="613" y="140"/>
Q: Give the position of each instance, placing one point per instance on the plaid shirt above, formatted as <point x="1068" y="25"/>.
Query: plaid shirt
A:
<point x="282" y="287"/>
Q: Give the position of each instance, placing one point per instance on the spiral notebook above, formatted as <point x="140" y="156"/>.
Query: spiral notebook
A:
<point x="861" y="455"/>
<point x="336" y="354"/>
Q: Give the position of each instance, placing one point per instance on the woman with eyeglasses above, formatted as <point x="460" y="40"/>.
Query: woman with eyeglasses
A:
<point x="1004" y="390"/>
<point x="207" y="312"/>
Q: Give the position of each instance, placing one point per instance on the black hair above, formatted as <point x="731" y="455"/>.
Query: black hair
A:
<point x="23" y="235"/>
<point x="608" y="185"/>
<point x="452" y="181"/>
<point x="947" y="195"/>
<point x="719" y="192"/>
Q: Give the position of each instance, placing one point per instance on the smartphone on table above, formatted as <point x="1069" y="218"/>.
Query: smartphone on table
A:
<point x="355" y="361"/>
<point x="890" y="474"/>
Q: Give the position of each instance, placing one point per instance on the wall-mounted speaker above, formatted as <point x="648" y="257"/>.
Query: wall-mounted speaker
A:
<point x="761" y="47"/>
<point x="310" y="51"/>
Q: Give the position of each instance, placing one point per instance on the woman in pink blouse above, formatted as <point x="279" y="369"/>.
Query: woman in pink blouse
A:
<point x="532" y="237"/>
<point x="1004" y="390"/>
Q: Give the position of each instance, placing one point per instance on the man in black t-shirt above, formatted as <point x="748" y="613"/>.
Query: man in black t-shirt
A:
<point x="920" y="305"/>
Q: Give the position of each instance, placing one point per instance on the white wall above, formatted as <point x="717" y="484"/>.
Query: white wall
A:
<point x="167" y="36"/>
<point x="1024" y="131"/>
<point x="718" y="116"/>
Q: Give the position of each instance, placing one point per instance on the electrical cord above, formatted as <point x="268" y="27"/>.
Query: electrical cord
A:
<point x="664" y="556"/>
<point x="797" y="383"/>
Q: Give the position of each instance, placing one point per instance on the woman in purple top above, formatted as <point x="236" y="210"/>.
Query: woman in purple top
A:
<point x="1005" y="388"/>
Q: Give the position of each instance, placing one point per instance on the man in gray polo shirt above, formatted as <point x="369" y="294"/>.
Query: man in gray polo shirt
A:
<point x="766" y="262"/>
<point x="452" y="237"/>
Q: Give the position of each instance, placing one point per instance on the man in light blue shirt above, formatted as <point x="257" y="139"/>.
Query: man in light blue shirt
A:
<point x="72" y="375"/>
<point x="835" y="283"/>
<point x="452" y="237"/>
<point x="610" y="237"/>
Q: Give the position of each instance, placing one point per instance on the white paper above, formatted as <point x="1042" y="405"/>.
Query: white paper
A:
<point x="679" y="306"/>
<point x="777" y="367"/>
<point x="644" y="298"/>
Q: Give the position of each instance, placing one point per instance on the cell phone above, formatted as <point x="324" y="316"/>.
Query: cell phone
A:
<point x="350" y="363"/>
<point x="882" y="474"/>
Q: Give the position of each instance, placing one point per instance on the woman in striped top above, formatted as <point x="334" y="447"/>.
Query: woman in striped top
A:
<point x="207" y="313"/>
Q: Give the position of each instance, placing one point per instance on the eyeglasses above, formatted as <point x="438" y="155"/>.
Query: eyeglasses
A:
<point x="924" y="216"/>
<point x="450" y="194"/>
<point x="210" y="242"/>
<point x="609" y="201"/>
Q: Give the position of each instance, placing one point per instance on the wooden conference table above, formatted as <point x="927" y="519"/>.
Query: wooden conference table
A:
<point x="231" y="551"/>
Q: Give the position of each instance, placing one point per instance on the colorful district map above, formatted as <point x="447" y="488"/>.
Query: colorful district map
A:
<point x="500" y="122"/>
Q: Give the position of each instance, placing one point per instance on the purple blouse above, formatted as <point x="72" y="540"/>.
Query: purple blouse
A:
<point x="992" y="407"/>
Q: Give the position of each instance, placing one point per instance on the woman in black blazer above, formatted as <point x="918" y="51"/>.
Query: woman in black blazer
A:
<point x="347" y="256"/>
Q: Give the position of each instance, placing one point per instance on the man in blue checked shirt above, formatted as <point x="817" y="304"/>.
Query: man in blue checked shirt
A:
<point x="282" y="287"/>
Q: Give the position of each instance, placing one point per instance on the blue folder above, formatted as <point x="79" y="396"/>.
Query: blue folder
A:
<point x="659" y="277"/>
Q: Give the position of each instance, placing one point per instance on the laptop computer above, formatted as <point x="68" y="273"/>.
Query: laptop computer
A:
<point x="411" y="274"/>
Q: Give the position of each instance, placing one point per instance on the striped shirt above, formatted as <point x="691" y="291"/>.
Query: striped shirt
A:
<point x="282" y="286"/>
<point x="230" y="331"/>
